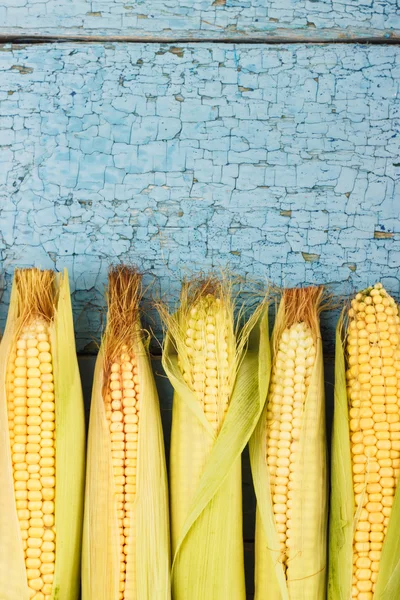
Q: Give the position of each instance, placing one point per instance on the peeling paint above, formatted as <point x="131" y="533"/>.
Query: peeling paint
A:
<point x="383" y="235"/>
<point x="132" y="152"/>
<point x="309" y="257"/>
<point x="178" y="51"/>
<point x="21" y="69"/>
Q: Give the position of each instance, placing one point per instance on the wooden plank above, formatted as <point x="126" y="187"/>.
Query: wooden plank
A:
<point x="198" y="19"/>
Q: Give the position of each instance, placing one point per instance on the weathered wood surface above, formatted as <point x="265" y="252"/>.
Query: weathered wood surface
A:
<point x="196" y="19"/>
<point x="280" y="162"/>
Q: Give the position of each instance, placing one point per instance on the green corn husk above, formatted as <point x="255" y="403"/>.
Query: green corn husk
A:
<point x="342" y="509"/>
<point x="148" y="557"/>
<point x="69" y="443"/>
<point x="307" y="579"/>
<point x="205" y="463"/>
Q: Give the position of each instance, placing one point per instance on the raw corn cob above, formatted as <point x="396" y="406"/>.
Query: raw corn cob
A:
<point x="288" y="458"/>
<point x="126" y="530"/>
<point x="42" y="449"/>
<point x="364" y="552"/>
<point x="218" y="396"/>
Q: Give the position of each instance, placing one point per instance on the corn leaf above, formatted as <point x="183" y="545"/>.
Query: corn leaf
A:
<point x="13" y="581"/>
<point x="100" y="548"/>
<point x="207" y="538"/>
<point x="388" y="583"/>
<point x="70" y="449"/>
<point x="342" y="496"/>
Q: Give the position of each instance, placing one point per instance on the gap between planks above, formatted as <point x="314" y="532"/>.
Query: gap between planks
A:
<point x="271" y="36"/>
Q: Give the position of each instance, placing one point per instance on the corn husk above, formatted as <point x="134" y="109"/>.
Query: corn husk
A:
<point x="308" y="567"/>
<point x="70" y="456"/>
<point x="148" y="542"/>
<point x="207" y="543"/>
<point x="342" y="516"/>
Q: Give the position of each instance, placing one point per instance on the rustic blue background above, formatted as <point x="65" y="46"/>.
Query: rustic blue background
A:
<point x="280" y="162"/>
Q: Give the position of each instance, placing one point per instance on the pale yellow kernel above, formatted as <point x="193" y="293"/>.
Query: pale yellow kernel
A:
<point x="47" y="461"/>
<point x="48" y="557"/>
<point x="34" y="495"/>
<point x="34" y="542"/>
<point x="47" y="568"/>
<point x="45" y="368"/>
<point x="48" y="547"/>
<point x="47" y="589"/>
<point x="131" y="428"/>
<point x="34" y="485"/>
<point x="117" y="416"/>
<point x="48" y="482"/>
<point x="43" y="346"/>
<point x="33" y="469"/>
<point x="47" y="386"/>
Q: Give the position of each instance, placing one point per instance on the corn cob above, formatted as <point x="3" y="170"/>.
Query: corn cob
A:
<point x="131" y="527"/>
<point x="35" y="388"/>
<point x="288" y="453"/>
<point x="371" y="451"/>
<point x="122" y="403"/>
<point x="31" y="421"/>
<point x="209" y="367"/>
<point x="205" y="359"/>
<point x="372" y="378"/>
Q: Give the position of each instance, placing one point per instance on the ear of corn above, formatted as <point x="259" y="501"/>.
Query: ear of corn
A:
<point x="219" y="391"/>
<point x="365" y="505"/>
<point x="42" y="443"/>
<point x="288" y="458"/>
<point x="126" y="531"/>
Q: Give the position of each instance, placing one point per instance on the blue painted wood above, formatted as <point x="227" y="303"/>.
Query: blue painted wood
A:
<point x="279" y="162"/>
<point x="196" y="18"/>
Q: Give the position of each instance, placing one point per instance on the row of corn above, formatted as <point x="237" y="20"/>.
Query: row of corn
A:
<point x="104" y="519"/>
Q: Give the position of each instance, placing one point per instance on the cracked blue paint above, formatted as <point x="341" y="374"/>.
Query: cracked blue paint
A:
<point x="196" y="17"/>
<point x="280" y="162"/>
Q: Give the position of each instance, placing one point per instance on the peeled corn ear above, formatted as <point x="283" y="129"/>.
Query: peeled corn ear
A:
<point x="288" y="458"/>
<point x="42" y="443"/>
<point x="126" y="528"/>
<point x="365" y="508"/>
<point x="219" y="391"/>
